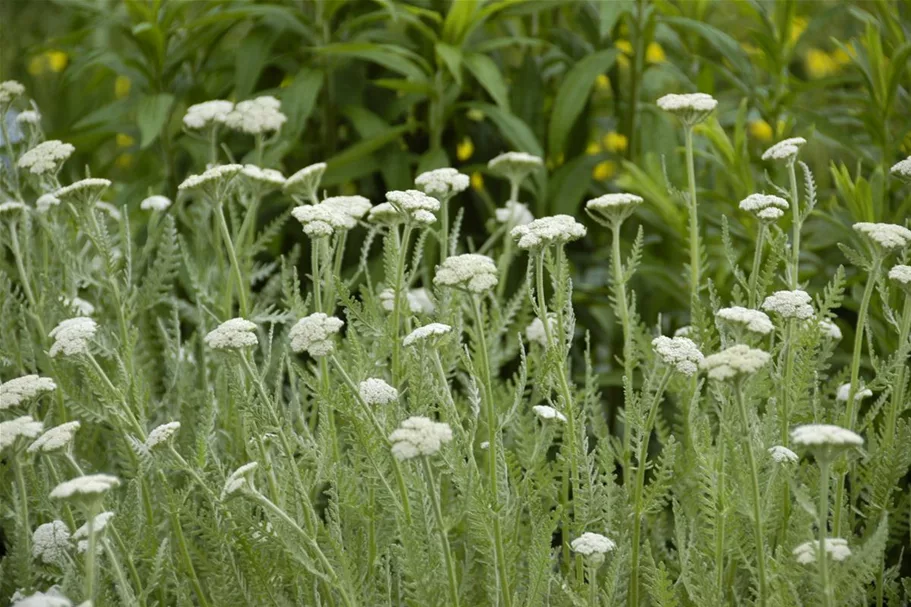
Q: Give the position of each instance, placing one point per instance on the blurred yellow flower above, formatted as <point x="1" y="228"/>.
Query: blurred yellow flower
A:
<point x="593" y="149"/>
<point x="477" y="181"/>
<point x="57" y="60"/>
<point x="761" y="130"/>
<point x="819" y="64"/>
<point x="615" y="142"/>
<point x="465" y="149"/>
<point x="602" y="82"/>
<point x="124" y="161"/>
<point x="654" y="53"/>
<point x="798" y="27"/>
<point x="626" y="48"/>
<point x="840" y="57"/>
<point x="604" y="170"/>
<point x="476" y="115"/>
<point x="122" y="86"/>
<point x="124" y="140"/>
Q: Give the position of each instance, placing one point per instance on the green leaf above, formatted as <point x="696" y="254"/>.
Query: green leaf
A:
<point x="459" y="17"/>
<point x="299" y="99"/>
<point x="726" y="46"/>
<point x="609" y="12"/>
<point x="249" y="61"/>
<point x="376" y="53"/>
<point x="152" y="114"/>
<point x="452" y="57"/>
<point x="568" y="185"/>
<point x="511" y="127"/>
<point x="573" y="95"/>
<point x="485" y="70"/>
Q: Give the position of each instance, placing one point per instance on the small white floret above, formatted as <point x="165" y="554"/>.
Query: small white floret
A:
<point x="21" y="389"/>
<point x="836" y="548"/>
<point x="593" y="546"/>
<point x="751" y="320"/>
<point x="887" y="235"/>
<point x="319" y="220"/>
<point x="427" y="332"/>
<point x="233" y="334"/>
<point x="214" y="176"/>
<point x="45" y="202"/>
<point x="515" y="166"/>
<point x="514" y="213"/>
<point x="354" y="206"/>
<point x="85" y="190"/>
<point x="844" y="392"/>
<point x="20" y="427"/>
<point x="375" y="391"/>
<point x="782" y="455"/>
<point x="50" y="543"/>
<point x="902" y="169"/>
<point x="256" y="116"/>
<point x="548" y="231"/>
<point x="46" y="158"/>
<point x="56" y="438"/>
<point x="155" y="203"/>
<point x="314" y="334"/>
<point x="546" y="412"/>
<point x="734" y="362"/>
<point x="90" y="485"/>
<point x="208" y="113"/>
<point x="470" y="272"/>
<point x="162" y="434"/>
<point x="306" y="181"/>
<point x="681" y="353"/>
<point x="72" y="336"/>
<point x="442" y="183"/>
<point x="815" y="435"/>
<point x="242" y="478"/>
<point x="789" y="304"/>
<point x="786" y="149"/>
<point x="536" y="333"/>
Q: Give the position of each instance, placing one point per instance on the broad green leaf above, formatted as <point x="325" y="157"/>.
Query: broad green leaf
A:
<point x="433" y="159"/>
<point x="458" y="19"/>
<point x="609" y="12"/>
<point x="404" y="86"/>
<point x="572" y="96"/>
<point x="299" y="99"/>
<point x="249" y="62"/>
<point x="452" y="57"/>
<point x="726" y="46"/>
<point x="363" y="149"/>
<point x="376" y="53"/>
<point x="568" y="185"/>
<point x="152" y="113"/>
<point x="485" y="70"/>
<point x="511" y="127"/>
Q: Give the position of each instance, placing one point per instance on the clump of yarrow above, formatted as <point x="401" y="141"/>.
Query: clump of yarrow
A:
<point x="469" y="272"/>
<point x="321" y="221"/>
<point x="46" y="158"/>
<point x="314" y="334"/>
<point x="765" y="207"/>
<point x="515" y="166"/>
<point x="442" y="183"/>
<point x="844" y="393"/>
<point x="888" y="236"/>
<point x="593" y="546"/>
<point x="750" y="320"/>
<point x="734" y="363"/>
<point x="207" y="114"/>
<point x="785" y="150"/>
<point x="547" y="413"/>
<point x="51" y="543"/>
<point x="514" y="213"/>
<point x="234" y="334"/>
<point x="162" y="435"/>
<point x="610" y="208"/>
<point x="22" y="389"/>
<point x="427" y="333"/>
<point x="783" y="455"/>
<point x="414" y="205"/>
<point x="417" y="436"/>
<point x="55" y="439"/>
<point x="548" y="231"/>
<point x="418" y="300"/>
<point x="21" y="427"/>
<point x="835" y="548"/>
<point x="256" y="116"/>
<point x="375" y="391"/>
<point x="678" y="353"/>
<point x="73" y="336"/>
<point x="690" y="108"/>
<point x="789" y="304"/>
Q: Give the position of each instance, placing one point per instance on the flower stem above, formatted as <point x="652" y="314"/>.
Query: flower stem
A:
<point x="444" y="228"/>
<point x="795" y="227"/>
<point x="821" y="556"/>
<point x="695" y="270"/>
<point x="623" y="312"/>
<point x="92" y="510"/>
<point x="757" y="265"/>
<point x="397" y="305"/>
<point x="438" y="514"/>
<point x="232" y="256"/>
<point x="23" y="507"/>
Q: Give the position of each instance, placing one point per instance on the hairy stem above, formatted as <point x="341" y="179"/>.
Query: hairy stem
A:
<point x="795" y="227"/>
<point x="444" y="539"/>
<point x="823" y="514"/>
<point x="757" y="265"/>
<point x="397" y="306"/>
<point x="232" y="257"/>
<point x="623" y="311"/>
<point x="695" y="269"/>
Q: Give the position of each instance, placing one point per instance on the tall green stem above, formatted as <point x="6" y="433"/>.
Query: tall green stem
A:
<point x="444" y="539"/>
<point x="232" y="256"/>
<point x="695" y="269"/>
<point x="795" y="227"/>
<point x="24" y="524"/>
<point x="898" y="388"/>
<point x="90" y="555"/>
<point x="397" y="305"/>
<point x="623" y="311"/>
<point x="757" y="265"/>
<point x="821" y="556"/>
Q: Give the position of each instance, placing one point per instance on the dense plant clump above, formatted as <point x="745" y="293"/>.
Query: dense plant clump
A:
<point x="404" y="434"/>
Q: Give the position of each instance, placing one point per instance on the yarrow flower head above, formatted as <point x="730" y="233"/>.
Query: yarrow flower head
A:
<point x="782" y="455"/>
<point x="681" y="353"/>
<point x="470" y="272"/>
<point x="547" y="231"/>
<point x="84" y="192"/>
<point x="429" y="332"/>
<point x="375" y="391"/>
<point x="547" y="413"/>
<point x="208" y="113"/>
<point x="321" y="221"/>
<point x="515" y="166"/>
<point x="414" y="205"/>
<point x="593" y="546"/>
<point x="442" y="183"/>
<point x="785" y="150"/>
<point x="100" y="521"/>
<point x="313" y="334"/>
<point x="72" y="336"/>
<point x="610" y="208"/>
<point x="11" y="207"/>
<point x="735" y="362"/>
<point x="265" y="178"/>
<point x="20" y="427"/>
<point x="355" y="206"/>
<point x="28" y="117"/>
<point x="889" y="236"/>
<point x="162" y="434"/>
<point x="418" y="301"/>
<point x="155" y="203"/>
<point x="242" y="478"/>
<point x="9" y="91"/>
<point x="844" y="393"/>
<point x="46" y="158"/>
<point x="766" y="207"/>
<point x="88" y="487"/>
<point x="691" y="108"/>
<point x="419" y="436"/>
<point x="306" y="181"/>
<point x="825" y="436"/>
<point x="17" y="391"/>
<point x="753" y="321"/>
<point x="514" y="213"/>
<point x="829" y="329"/>
<point x="385" y="214"/>
<point x="42" y="599"/>
<point x="78" y="304"/>
<point x="256" y="116"/>
<point x="55" y="439"/>
<point x="45" y="202"/>
<point x="902" y="169"/>
<point x="789" y="304"/>
<point x="50" y="543"/>
<point x="213" y="179"/>
<point x="535" y="331"/>
<point x="234" y="334"/>
<point x="835" y="547"/>
<point x="901" y="275"/>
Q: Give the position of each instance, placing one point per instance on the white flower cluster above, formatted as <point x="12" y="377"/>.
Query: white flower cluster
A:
<point x="736" y="361"/>
<point x="155" y="203"/>
<point x="593" y="545"/>
<point x="233" y="334"/>
<point x="51" y="598"/>
<point x="887" y="235"/>
<point x="681" y="353"/>
<point x="751" y="320"/>
<point x="56" y="438"/>
<point x="112" y="211"/>
<point x="269" y="178"/>
<point x="240" y="479"/>
<point x="434" y="329"/>
<point x="100" y="521"/>
<point x="313" y="334"/>
<point x="28" y="117"/>
<point x="901" y="274"/>
<point x="375" y="391"/>
<point x="9" y="90"/>
<point x="547" y="231"/>
<point x="202" y="115"/>
<point x="50" y="543"/>
<point x="72" y="336"/>
<point x="18" y="390"/>
<point x="256" y="116"/>
<point x="515" y="166"/>
<point x="45" y="202"/>
<point x="306" y="181"/>
<point x="612" y="207"/>
<point x="385" y="214"/>
<point x="83" y="307"/>
<point x="46" y="158"/>
<point x="829" y="329"/>
<point x="419" y="436"/>
<point x="766" y="207"/>
<point x="536" y="333"/>
<point x="546" y="412"/>
<point x="825" y="435"/>
<point x="902" y="169"/>
<point x="414" y="205"/>
<point x="442" y="183"/>
<point x="514" y="213"/>
<point x="418" y="301"/>
<point x="786" y="149"/>
<point x="844" y="392"/>
<point x="211" y="177"/>
<point x="161" y="434"/>
<point x="471" y="272"/>
<point x="321" y="221"/>
<point x="789" y="304"/>
<point x="84" y="190"/>
<point x="835" y="547"/>
<point x="24" y="427"/>
<point x="353" y="206"/>
<point x="12" y="207"/>
<point x="691" y="108"/>
<point x="90" y="485"/>
<point x="782" y="455"/>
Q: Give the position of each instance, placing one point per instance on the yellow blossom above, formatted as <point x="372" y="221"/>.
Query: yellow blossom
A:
<point x="476" y="115"/>
<point x="819" y="64"/>
<point x="626" y="48"/>
<point x="654" y="53"/>
<point x="602" y="82"/>
<point x="57" y="60"/>
<point x="122" y="86"/>
<point x="124" y="161"/>
<point x="761" y="130"/>
<point x="840" y="57"/>
<point x="615" y="142"/>
<point x="124" y="140"/>
<point x="798" y="27"/>
<point x="477" y="181"/>
<point x="465" y="149"/>
<point x="604" y="170"/>
<point x="593" y="149"/>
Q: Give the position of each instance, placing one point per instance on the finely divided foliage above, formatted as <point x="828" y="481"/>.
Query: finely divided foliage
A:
<point x="226" y="424"/>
